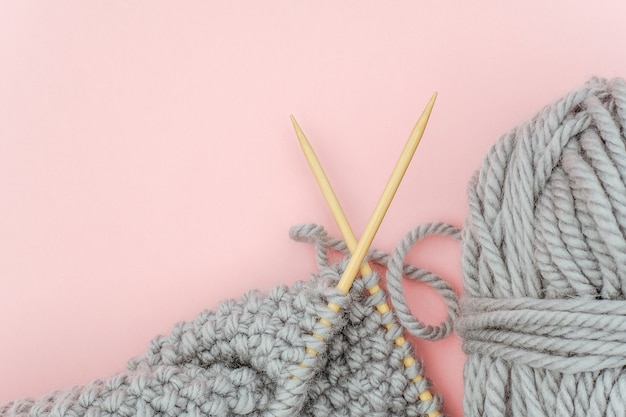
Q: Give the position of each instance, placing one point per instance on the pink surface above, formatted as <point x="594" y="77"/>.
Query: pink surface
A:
<point x="148" y="168"/>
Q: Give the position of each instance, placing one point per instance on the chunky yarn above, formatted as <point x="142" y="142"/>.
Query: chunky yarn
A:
<point x="252" y="356"/>
<point x="544" y="262"/>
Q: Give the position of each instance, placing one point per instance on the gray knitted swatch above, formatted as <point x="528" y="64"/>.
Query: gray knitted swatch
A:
<point x="544" y="262"/>
<point x="249" y="358"/>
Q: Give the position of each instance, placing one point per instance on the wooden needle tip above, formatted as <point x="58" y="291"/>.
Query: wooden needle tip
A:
<point x="431" y="102"/>
<point x="299" y="132"/>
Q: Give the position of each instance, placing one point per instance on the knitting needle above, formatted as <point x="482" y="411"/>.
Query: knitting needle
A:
<point x="344" y="225"/>
<point x="385" y="199"/>
<point x="329" y="194"/>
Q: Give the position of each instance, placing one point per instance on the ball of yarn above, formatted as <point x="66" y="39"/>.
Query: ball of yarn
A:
<point x="544" y="262"/>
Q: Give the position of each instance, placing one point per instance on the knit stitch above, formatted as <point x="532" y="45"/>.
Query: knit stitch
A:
<point x="544" y="263"/>
<point x="249" y="357"/>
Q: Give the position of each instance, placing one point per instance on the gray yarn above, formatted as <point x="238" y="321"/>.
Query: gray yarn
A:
<point x="248" y="358"/>
<point x="544" y="262"/>
<point x="395" y="271"/>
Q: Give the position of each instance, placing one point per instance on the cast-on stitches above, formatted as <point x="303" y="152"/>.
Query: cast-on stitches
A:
<point x="248" y="358"/>
<point x="544" y="262"/>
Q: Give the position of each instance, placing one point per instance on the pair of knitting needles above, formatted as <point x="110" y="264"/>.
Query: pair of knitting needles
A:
<point x="359" y="249"/>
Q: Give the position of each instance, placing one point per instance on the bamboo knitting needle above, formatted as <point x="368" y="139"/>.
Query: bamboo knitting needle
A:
<point x="344" y="225"/>
<point x="389" y="192"/>
<point x="329" y="194"/>
<point x="385" y="199"/>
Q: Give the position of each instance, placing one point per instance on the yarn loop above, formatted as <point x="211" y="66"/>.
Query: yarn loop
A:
<point x="397" y="268"/>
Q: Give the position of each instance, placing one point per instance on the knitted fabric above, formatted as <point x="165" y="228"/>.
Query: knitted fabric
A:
<point x="252" y="356"/>
<point x="544" y="262"/>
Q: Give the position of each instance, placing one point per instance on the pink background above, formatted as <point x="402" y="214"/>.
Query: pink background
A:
<point x="148" y="168"/>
